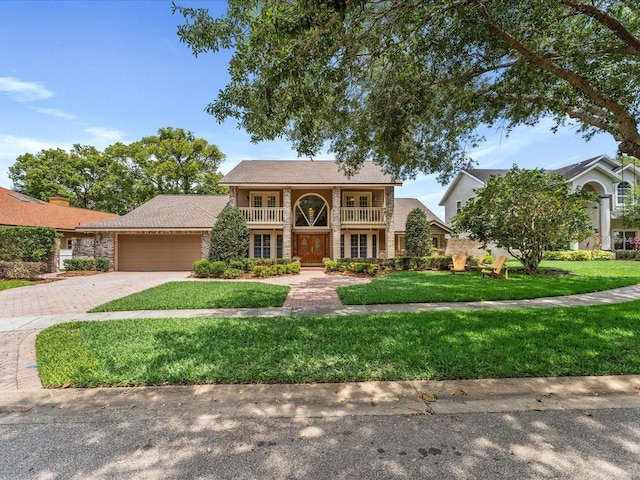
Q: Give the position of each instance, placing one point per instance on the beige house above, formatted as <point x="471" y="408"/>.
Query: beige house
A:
<point x="306" y="209"/>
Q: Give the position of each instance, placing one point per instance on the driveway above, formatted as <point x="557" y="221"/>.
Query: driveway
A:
<point x="78" y="294"/>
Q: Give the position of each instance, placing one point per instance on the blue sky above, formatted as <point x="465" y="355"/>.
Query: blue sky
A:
<point x="97" y="72"/>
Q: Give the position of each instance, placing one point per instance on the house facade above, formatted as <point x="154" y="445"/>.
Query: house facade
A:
<point x="306" y="209"/>
<point x="17" y="209"/>
<point x="612" y="182"/>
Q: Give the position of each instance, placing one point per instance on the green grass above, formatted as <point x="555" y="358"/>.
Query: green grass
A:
<point x="601" y="340"/>
<point x="7" y="284"/>
<point x="188" y="295"/>
<point x="418" y="287"/>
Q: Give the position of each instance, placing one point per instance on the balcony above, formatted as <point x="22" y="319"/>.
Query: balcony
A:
<point x="263" y="215"/>
<point x="363" y="215"/>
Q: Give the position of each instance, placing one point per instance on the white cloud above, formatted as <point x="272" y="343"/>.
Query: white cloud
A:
<point x="104" y="135"/>
<point x="54" y="112"/>
<point x="23" y="91"/>
<point x="11" y="147"/>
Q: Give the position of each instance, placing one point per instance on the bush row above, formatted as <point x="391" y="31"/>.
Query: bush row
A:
<point x="577" y="255"/>
<point x="373" y="266"/>
<point x="260" y="267"/>
<point x="627" y="255"/>
<point x="22" y="270"/>
<point x="86" y="264"/>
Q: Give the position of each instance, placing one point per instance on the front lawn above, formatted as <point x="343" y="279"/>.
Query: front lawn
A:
<point x="418" y="287"/>
<point x="193" y="295"/>
<point x="601" y="340"/>
<point x="7" y="284"/>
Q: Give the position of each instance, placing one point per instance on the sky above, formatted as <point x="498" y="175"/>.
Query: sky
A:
<point x="96" y="72"/>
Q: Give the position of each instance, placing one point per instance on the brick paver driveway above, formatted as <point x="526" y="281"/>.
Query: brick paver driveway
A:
<point x="78" y="294"/>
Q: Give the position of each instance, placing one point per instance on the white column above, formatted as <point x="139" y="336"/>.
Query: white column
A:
<point x="605" y="222"/>
<point x="390" y="234"/>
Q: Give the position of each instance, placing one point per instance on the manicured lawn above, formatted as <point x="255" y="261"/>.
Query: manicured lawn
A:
<point x="601" y="340"/>
<point x="187" y="295"/>
<point x="417" y="287"/>
<point x="7" y="284"/>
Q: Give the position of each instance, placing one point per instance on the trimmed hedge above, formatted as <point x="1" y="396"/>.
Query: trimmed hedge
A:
<point x="86" y="264"/>
<point x="577" y="255"/>
<point x="260" y="267"/>
<point x="627" y="255"/>
<point x="22" y="270"/>
<point x="29" y="244"/>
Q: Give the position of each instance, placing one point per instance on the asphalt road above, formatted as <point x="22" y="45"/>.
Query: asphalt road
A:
<point x="189" y="442"/>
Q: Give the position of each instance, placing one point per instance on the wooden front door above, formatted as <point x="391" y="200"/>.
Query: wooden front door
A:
<point x="312" y="248"/>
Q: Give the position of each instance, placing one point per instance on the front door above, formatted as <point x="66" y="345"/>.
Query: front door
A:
<point x="312" y="248"/>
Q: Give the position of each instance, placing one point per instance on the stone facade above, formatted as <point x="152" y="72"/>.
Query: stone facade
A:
<point x="54" y="259"/>
<point x="84" y="247"/>
<point x="105" y="247"/>
<point x="390" y="233"/>
<point x="335" y="223"/>
<point x="287" y="226"/>
<point x="205" y="244"/>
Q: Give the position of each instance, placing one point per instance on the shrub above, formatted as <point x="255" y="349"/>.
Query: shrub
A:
<point x="237" y="264"/>
<point x="626" y="255"/>
<point x="418" y="234"/>
<point x="86" y="264"/>
<point x="580" y="255"/>
<point x="229" y="236"/>
<point x="372" y="269"/>
<point x="202" y="268"/>
<point x="217" y="269"/>
<point x="29" y="244"/>
<point x="487" y="259"/>
<point x="439" y="262"/>
<point x="232" y="273"/>
<point x="22" y="270"/>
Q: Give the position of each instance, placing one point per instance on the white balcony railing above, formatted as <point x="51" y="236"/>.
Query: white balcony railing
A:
<point x="264" y="215"/>
<point x="363" y="215"/>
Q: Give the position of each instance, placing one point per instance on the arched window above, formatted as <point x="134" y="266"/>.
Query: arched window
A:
<point x="311" y="211"/>
<point x="624" y="192"/>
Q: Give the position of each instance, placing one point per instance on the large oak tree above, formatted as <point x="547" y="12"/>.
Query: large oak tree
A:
<point x="122" y="177"/>
<point x="407" y="84"/>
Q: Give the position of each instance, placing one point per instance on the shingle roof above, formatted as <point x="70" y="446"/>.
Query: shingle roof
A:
<point x="303" y="172"/>
<point x="483" y="174"/>
<point x="169" y="212"/>
<point x="570" y="171"/>
<point x="401" y="209"/>
<point x="17" y="209"/>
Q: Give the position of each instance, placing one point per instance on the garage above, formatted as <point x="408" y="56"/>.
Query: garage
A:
<point x="143" y="253"/>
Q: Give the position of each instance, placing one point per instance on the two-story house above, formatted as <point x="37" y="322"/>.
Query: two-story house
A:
<point x="611" y="180"/>
<point x="293" y="208"/>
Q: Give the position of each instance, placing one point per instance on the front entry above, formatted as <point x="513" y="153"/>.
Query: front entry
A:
<point x="312" y="248"/>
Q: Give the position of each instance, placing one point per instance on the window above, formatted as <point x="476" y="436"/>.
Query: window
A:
<point x="279" y="240"/>
<point x="69" y="243"/>
<point x="625" y="240"/>
<point x="311" y="211"/>
<point x="458" y="206"/>
<point x="624" y="192"/>
<point x="261" y="246"/>
<point x="341" y="246"/>
<point x="401" y="244"/>
<point x="434" y="241"/>
<point x="374" y="245"/>
<point x="359" y="245"/>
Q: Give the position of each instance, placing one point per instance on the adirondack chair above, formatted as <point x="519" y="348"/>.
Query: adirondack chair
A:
<point x="459" y="263"/>
<point x="498" y="266"/>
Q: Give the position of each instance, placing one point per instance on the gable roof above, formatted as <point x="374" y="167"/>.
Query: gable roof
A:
<point x="303" y="172"/>
<point x="401" y="209"/>
<point x="17" y="209"/>
<point x="168" y="212"/>
<point x="570" y="172"/>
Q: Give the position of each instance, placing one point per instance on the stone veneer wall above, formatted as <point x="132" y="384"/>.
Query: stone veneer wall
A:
<point x="83" y="247"/>
<point x="54" y="258"/>
<point x="390" y="234"/>
<point x="205" y="244"/>
<point x="105" y="247"/>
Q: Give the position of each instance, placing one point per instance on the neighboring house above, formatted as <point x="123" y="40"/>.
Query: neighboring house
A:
<point x="17" y="209"/>
<point x="609" y="179"/>
<point x="308" y="209"/>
